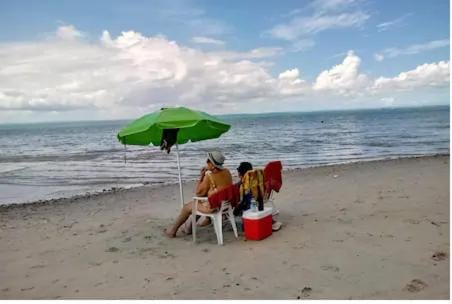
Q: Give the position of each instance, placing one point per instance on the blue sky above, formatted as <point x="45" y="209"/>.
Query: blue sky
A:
<point x="251" y="56"/>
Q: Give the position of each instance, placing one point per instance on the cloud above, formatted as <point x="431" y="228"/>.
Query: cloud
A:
<point x="68" y="32"/>
<point x="323" y="6"/>
<point x="343" y="78"/>
<point x="379" y="57"/>
<point x="425" y="75"/>
<point x="301" y="45"/>
<point x="256" y="53"/>
<point x="384" y="26"/>
<point x="127" y="75"/>
<point x="192" y="19"/>
<point x="388" y="101"/>
<point x="325" y="15"/>
<point x="289" y="83"/>
<point x="412" y="49"/>
<point x="303" y="26"/>
<point x="125" y="72"/>
<point x="289" y="74"/>
<point x="207" y="40"/>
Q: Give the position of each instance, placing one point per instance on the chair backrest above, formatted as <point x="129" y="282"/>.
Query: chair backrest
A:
<point x="227" y="194"/>
<point x="273" y="177"/>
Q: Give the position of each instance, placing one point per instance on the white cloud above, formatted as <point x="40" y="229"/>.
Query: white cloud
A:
<point x="289" y="83"/>
<point x="379" y="57"/>
<point x="388" y="101"/>
<point x="343" y="78"/>
<point x="207" y="40"/>
<point x="289" y="74"/>
<point x="127" y="75"/>
<point x="414" y="49"/>
<point x="425" y="75"/>
<point x="322" y="6"/>
<point x="129" y="71"/>
<point x="325" y="15"/>
<point x="68" y="32"/>
<point x="384" y="26"/>
<point x="257" y="53"/>
<point x="302" y="26"/>
<point x="302" y="45"/>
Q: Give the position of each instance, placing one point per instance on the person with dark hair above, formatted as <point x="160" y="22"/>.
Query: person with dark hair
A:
<point x="241" y="170"/>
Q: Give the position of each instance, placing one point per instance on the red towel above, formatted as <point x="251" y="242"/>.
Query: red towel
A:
<point x="230" y="193"/>
<point x="272" y="176"/>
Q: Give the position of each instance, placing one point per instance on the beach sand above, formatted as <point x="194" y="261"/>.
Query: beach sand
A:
<point x="372" y="230"/>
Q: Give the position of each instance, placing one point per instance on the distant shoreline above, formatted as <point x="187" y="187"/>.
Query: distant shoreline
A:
<point x="226" y="115"/>
<point x="113" y="190"/>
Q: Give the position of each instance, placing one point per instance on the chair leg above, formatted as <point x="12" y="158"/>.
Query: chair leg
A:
<point x="193" y="222"/>
<point x="217" y="224"/>
<point x="216" y="228"/>
<point x="232" y="220"/>
<point x="275" y="211"/>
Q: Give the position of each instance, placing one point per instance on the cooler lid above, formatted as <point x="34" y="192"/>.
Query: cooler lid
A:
<point x="255" y="215"/>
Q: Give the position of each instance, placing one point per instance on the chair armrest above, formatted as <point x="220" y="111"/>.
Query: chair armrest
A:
<point x="200" y="198"/>
<point x="197" y="199"/>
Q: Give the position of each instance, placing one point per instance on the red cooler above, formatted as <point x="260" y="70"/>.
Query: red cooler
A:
<point x="257" y="224"/>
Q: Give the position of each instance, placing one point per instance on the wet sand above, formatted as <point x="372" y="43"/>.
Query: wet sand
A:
<point x="375" y="230"/>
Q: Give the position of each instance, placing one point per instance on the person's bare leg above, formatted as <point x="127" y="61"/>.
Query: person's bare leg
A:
<point x="183" y="216"/>
<point x="204" y="222"/>
<point x="187" y="226"/>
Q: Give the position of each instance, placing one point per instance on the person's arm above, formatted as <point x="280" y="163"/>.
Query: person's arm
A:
<point x="203" y="185"/>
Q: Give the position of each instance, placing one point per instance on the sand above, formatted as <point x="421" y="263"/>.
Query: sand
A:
<point x="374" y="230"/>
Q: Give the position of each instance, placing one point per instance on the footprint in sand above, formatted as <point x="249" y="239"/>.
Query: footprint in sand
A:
<point x="166" y="255"/>
<point x="112" y="249"/>
<point x="412" y="221"/>
<point x="127" y="239"/>
<point x="330" y="268"/>
<point x="415" y="285"/>
<point x="439" y="256"/>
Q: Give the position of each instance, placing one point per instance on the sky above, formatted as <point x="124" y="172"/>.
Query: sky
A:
<point x="98" y="60"/>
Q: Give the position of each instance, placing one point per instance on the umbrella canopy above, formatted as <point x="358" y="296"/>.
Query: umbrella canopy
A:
<point x="193" y="126"/>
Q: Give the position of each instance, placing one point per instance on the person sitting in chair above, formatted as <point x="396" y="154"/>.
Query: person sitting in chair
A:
<point x="253" y="184"/>
<point x="241" y="170"/>
<point x="213" y="177"/>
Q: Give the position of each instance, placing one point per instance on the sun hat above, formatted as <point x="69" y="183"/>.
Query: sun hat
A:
<point x="216" y="158"/>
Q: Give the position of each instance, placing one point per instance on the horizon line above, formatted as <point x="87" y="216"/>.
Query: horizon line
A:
<point x="236" y="114"/>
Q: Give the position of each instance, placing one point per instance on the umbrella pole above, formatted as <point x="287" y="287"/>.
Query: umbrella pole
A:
<point x="180" y="178"/>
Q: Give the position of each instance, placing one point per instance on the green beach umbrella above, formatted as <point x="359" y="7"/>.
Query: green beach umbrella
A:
<point x="184" y="123"/>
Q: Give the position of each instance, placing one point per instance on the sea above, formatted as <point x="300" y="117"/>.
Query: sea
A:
<point x="42" y="161"/>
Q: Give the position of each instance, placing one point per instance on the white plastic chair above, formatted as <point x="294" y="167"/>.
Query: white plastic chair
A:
<point x="216" y="217"/>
